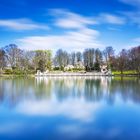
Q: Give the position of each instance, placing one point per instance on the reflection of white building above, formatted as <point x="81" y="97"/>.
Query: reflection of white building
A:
<point x="41" y="79"/>
<point x="105" y="84"/>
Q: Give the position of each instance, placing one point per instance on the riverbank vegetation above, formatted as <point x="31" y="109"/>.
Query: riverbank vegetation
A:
<point x="16" y="61"/>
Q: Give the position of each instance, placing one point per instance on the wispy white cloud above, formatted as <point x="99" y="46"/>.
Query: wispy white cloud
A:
<point x="71" y="40"/>
<point x="137" y="40"/>
<point x="110" y="19"/>
<point x="76" y="35"/>
<point x="77" y="32"/>
<point x="71" y="20"/>
<point x="133" y="17"/>
<point x="21" y="24"/>
<point x="132" y="2"/>
<point x="114" y="29"/>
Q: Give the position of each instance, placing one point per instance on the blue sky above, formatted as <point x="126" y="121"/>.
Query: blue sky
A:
<point x="72" y="25"/>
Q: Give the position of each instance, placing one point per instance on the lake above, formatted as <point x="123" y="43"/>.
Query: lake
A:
<point x="70" y="108"/>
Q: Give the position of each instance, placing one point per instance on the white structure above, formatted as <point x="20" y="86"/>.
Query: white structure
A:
<point x="80" y="65"/>
<point x="68" y="67"/>
<point x="39" y="73"/>
<point x="46" y="72"/>
<point x="105" y="70"/>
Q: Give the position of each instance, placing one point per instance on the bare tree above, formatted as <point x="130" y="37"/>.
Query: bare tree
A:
<point x="134" y="57"/>
<point x="2" y="59"/>
<point x="122" y="60"/>
<point x="98" y="59"/>
<point x="108" y="54"/>
<point x="73" y="58"/>
<point x="62" y="58"/>
<point x="13" y="55"/>
<point x="79" y="56"/>
<point x="88" y="57"/>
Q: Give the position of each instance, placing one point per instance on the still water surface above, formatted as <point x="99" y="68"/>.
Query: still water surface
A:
<point x="70" y="108"/>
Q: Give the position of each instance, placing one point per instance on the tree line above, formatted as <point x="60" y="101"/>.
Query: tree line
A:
<point x="17" y="59"/>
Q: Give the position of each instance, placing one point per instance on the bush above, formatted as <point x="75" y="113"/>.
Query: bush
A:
<point x="8" y="71"/>
<point x="78" y="69"/>
<point x="18" y="72"/>
<point x="56" y="68"/>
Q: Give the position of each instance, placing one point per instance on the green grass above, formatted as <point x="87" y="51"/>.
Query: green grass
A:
<point x="131" y="72"/>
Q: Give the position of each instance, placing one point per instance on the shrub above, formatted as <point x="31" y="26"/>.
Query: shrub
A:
<point x="56" y="68"/>
<point x="8" y="71"/>
<point x="18" y="72"/>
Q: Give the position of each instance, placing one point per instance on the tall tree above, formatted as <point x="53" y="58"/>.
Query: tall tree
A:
<point x="2" y="59"/>
<point x="98" y="59"/>
<point x="27" y="60"/>
<point x="43" y="57"/>
<point x="42" y="65"/>
<point x="88" y="57"/>
<point x="73" y="58"/>
<point x="122" y="60"/>
<point x="134" y="57"/>
<point x="62" y="58"/>
<point x="108" y="54"/>
<point x="13" y="55"/>
<point x="79" y="56"/>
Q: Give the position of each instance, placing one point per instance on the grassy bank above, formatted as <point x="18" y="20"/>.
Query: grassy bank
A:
<point x="16" y="75"/>
<point x="125" y="73"/>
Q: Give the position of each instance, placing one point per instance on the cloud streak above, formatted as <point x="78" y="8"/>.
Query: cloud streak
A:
<point x="76" y="34"/>
<point x="132" y="2"/>
<point x="21" y="24"/>
<point x="71" y="40"/>
<point x="133" y="17"/>
<point x="137" y="40"/>
<point x="71" y="20"/>
<point x="110" y="19"/>
<point x="76" y="31"/>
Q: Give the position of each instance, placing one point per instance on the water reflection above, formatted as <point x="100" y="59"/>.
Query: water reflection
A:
<point x="69" y="108"/>
<point x="99" y="88"/>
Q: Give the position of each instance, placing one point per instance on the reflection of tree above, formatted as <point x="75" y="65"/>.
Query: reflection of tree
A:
<point x="61" y="90"/>
<point x="91" y="89"/>
<point x="128" y="88"/>
<point x="67" y="87"/>
<point x="15" y="90"/>
<point x="43" y="88"/>
<point x="1" y="90"/>
<point x="94" y="89"/>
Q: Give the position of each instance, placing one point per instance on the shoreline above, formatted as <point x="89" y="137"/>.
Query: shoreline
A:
<point x="88" y="74"/>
